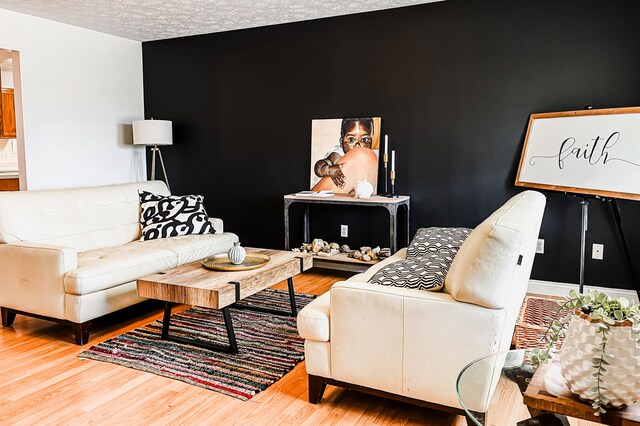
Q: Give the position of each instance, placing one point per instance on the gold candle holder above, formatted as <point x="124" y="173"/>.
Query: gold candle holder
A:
<point x="393" y="184"/>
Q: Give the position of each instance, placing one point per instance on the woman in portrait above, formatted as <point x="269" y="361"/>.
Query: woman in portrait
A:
<point x="351" y="160"/>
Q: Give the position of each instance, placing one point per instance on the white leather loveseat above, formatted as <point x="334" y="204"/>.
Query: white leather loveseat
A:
<point x="73" y="255"/>
<point x="411" y="344"/>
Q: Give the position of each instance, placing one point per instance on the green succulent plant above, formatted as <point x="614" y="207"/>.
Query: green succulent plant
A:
<point x="606" y="312"/>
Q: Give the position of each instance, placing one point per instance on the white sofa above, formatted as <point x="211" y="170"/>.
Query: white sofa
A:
<point x="411" y="344"/>
<point x="72" y="255"/>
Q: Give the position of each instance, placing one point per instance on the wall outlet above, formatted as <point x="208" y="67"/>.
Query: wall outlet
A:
<point x="540" y="246"/>
<point x="344" y="230"/>
<point x="597" y="251"/>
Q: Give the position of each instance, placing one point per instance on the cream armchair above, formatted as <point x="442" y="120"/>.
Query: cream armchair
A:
<point x="411" y="344"/>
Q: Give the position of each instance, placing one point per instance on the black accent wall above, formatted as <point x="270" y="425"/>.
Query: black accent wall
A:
<point x="454" y="83"/>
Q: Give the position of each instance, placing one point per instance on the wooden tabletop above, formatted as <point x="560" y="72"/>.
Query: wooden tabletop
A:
<point x="192" y="284"/>
<point x="565" y="402"/>
<point x="348" y="199"/>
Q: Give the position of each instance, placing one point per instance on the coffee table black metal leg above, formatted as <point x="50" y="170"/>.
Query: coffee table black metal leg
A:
<point x="292" y="297"/>
<point x="166" y="319"/>
<point x="292" y="300"/>
<point x="233" y="344"/>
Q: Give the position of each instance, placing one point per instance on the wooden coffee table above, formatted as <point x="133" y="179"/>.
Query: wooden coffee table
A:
<point x="192" y="284"/>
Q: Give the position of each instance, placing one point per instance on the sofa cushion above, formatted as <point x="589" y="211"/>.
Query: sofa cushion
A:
<point x="429" y="257"/>
<point x="436" y="239"/>
<point x="190" y="248"/>
<point x="172" y="216"/>
<point x="420" y="273"/>
<point x="108" y="267"/>
<point x="80" y="218"/>
<point x="105" y="268"/>
<point x="482" y="271"/>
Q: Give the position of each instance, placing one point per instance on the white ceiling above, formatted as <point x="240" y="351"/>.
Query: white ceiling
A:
<point x="146" y="20"/>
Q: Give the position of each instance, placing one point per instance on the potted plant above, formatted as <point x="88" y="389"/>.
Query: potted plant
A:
<point x="600" y="357"/>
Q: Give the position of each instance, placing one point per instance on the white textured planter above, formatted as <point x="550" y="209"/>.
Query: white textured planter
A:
<point x="237" y="253"/>
<point x="620" y="383"/>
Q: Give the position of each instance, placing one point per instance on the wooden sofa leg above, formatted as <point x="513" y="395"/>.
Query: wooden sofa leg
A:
<point x="8" y="317"/>
<point x="81" y="331"/>
<point x="317" y="386"/>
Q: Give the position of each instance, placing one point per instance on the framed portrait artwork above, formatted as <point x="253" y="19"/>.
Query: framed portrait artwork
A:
<point x="344" y="151"/>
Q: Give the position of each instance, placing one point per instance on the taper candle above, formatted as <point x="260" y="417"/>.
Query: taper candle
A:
<point x="393" y="160"/>
<point x="386" y="144"/>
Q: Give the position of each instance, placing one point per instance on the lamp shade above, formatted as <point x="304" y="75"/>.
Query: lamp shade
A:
<point x="152" y="132"/>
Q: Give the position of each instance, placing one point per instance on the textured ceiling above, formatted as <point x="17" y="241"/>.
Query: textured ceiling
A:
<point x="145" y="20"/>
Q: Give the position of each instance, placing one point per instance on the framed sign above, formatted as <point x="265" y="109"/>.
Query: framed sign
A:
<point x="594" y="152"/>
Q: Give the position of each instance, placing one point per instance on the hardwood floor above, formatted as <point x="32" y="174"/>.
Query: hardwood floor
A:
<point x="45" y="383"/>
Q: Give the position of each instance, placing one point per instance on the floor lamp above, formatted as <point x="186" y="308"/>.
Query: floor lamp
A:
<point x="154" y="133"/>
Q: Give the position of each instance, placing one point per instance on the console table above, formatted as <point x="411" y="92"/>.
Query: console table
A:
<point x="391" y="204"/>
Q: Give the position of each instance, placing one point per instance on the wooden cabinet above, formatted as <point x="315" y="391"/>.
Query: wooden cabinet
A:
<point x="7" y="115"/>
<point x="9" y="185"/>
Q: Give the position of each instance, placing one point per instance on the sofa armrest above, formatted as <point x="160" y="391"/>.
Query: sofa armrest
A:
<point x="313" y="319"/>
<point x="217" y="223"/>
<point x="33" y="277"/>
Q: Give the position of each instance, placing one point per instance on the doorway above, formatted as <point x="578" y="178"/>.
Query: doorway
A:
<point x="12" y="161"/>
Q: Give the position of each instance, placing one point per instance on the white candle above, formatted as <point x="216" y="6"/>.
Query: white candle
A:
<point x="386" y="144"/>
<point x="393" y="160"/>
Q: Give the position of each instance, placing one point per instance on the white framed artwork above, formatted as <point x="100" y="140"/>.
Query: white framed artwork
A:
<point x="589" y="152"/>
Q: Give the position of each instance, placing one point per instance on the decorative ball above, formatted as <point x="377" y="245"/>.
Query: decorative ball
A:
<point x="237" y="253"/>
<point x="363" y="189"/>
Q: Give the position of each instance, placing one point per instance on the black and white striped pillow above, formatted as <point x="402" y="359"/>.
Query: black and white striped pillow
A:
<point x="172" y="216"/>
<point x="437" y="240"/>
<point x="429" y="257"/>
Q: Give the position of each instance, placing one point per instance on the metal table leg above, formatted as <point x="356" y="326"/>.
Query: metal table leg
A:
<point x="393" y="227"/>
<point x="407" y="230"/>
<point x="233" y="344"/>
<point x="292" y="300"/>
<point x="287" y="242"/>
<point x="306" y="231"/>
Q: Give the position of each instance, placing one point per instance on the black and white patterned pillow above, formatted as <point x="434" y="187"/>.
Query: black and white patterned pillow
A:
<point x="172" y="216"/>
<point x="432" y="252"/>
<point x="435" y="239"/>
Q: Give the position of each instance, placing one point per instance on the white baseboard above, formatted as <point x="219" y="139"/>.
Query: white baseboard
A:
<point x="551" y="288"/>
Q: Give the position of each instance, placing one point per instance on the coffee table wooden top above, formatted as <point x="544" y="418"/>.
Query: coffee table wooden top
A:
<point x="536" y="397"/>
<point x="192" y="284"/>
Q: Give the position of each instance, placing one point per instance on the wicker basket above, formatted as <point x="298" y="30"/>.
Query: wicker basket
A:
<point x="535" y="315"/>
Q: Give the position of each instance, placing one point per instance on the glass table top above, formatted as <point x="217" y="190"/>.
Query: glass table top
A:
<point x="499" y="385"/>
<point x="495" y="383"/>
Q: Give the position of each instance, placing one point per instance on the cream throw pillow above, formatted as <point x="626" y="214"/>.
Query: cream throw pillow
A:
<point x="483" y="269"/>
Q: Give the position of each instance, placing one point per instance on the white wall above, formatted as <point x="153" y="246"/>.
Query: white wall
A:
<point x="8" y="155"/>
<point x="7" y="79"/>
<point x="80" y="91"/>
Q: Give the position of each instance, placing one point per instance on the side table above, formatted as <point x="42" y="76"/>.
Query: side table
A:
<point x="391" y="204"/>
<point x="510" y="390"/>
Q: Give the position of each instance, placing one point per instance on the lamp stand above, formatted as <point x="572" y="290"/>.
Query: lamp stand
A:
<point x="153" y="165"/>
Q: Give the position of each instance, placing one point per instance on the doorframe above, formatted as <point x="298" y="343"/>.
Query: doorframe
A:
<point x="17" y="100"/>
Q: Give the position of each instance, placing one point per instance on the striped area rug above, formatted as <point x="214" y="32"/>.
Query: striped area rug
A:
<point x="269" y="347"/>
